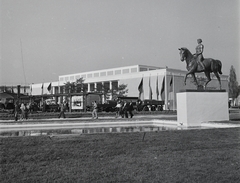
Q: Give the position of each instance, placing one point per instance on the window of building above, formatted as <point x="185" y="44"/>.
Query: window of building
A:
<point x="78" y="76"/>
<point x="83" y="76"/>
<point x="125" y="71"/>
<point x="117" y="72"/>
<point x="66" y="78"/>
<point x="143" y="69"/>
<point x="110" y="73"/>
<point x="102" y="73"/>
<point x="61" y="89"/>
<point x="92" y="87"/>
<point x="89" y="75"/>
<point x="61" y="79"/>
<point x="96" y="74"/>
<point x="133" y="69"/>
<point x="71" y="78"/>
<point x="56" y="90"/>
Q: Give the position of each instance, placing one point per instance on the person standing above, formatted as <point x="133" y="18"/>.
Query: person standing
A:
<point x="94" y="112"/>
<point x="22" y="111"/>
<point x="16" y="110"/>
<point x="130" y="109"/>
<point x="62" y="110"/>
<point x="118" y="108"/>
<point x="125" y="109"/>
<point x="26" y="111"/>
<point x="199" y="53"/>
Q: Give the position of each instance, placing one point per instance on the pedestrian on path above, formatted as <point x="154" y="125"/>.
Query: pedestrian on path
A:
<point x="118" y="108"/>
<point x="23" y="107"/>
<point x="130" y="109"/>
<point x="125" y="109"/>
<point x="62" y="109"/>
<point x="26" y="110"/>
<point x="16" y="110"/>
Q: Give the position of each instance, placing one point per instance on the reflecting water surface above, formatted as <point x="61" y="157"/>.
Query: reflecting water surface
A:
<point x="89" y="131"/>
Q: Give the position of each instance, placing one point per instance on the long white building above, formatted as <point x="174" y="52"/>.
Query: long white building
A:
<point x="153" y="78"/>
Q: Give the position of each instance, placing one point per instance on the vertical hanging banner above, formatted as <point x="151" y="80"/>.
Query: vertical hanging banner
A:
<point x="140" y="89"/>
<point x="49" y="88"/>
<point x="171" y="84"/>
<point x="150" y="89"/>
<point x="42" y="89"/>
<point x="163" y="89"/>
<point x="157" y="90"/>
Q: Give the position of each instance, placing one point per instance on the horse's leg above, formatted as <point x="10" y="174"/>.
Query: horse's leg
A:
<point x="194" y="78"/>
<point x="217" y="75"/>
<point x="208" y="77"/>
<point x="185" y="79"/>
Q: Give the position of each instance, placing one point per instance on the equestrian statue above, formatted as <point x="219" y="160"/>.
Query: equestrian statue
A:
<point x="197" y="63"/>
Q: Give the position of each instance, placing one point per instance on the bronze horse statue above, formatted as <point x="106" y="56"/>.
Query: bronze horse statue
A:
<point x="193" y="67"/>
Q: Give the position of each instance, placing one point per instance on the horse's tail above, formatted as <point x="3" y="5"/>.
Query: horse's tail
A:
<point x="216" y="66"/>
<point x="219" y="66"/>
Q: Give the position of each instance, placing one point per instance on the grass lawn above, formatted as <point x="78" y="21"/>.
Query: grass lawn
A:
<point x="211" y="155"/>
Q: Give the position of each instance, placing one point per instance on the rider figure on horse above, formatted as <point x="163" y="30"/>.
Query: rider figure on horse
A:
<point x="199" y="53"/>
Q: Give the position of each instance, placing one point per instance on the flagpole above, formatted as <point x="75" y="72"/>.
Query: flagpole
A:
<point x="173" y="83"/>
<point x="143" y="90"/>
<point x="157" y="91"/>
<point x="166" y="91"/>
<point x="42" y="96"/>
<point x="150" y="88"/>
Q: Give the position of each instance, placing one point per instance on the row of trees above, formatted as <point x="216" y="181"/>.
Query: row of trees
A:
<point x="79" y="87"/>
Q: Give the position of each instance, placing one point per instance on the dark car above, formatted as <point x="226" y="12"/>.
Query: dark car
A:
<point x="150" y="105"/>
<point x="109" y="106"/>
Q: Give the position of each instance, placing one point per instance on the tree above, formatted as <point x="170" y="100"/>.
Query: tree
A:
<point x="75" y="87"/>
<point x="115" y="92"/>
<point x="233" y="84"/>
<point x="79" y="86"/>
<point x="121" y="91"/>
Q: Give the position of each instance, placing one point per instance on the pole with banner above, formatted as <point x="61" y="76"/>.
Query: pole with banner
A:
<point x="166" y="91"/>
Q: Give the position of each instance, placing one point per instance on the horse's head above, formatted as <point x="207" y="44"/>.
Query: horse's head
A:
<point x="183" y="53"/>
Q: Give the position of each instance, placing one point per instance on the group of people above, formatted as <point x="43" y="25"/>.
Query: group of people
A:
<point x="22" y="109"/>
<point x="124" y="109"/>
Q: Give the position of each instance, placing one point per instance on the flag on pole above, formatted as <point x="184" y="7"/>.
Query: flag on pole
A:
<point x="163" y="89"/>
<point x="42" y="89"/>
<point x="157" y="90"/>
<point x="49" y="88"/>
<point x="140" y="89"/>
<point x="171" y="84"/>
<point x="150" y="89"/>
<point x="30" y="89"/>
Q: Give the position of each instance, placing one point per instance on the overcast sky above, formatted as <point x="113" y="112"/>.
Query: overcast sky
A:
<point x="42" y="39"/>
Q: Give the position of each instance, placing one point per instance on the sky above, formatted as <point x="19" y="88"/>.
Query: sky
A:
<point x="41" y="40"/>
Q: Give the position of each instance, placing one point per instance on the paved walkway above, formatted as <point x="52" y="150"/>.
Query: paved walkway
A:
<point x="84" y="122"/>
<point x="87" y="119"/>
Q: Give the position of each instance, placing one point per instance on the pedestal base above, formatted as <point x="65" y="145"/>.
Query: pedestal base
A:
<point x="194" y="107"/>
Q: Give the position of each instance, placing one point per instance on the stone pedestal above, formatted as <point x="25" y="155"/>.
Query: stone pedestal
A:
<point x="194" y="107"/>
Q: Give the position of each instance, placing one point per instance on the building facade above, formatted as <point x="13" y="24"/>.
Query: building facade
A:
<point x="14" y="89"/>
<point x="158" y="83"/>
